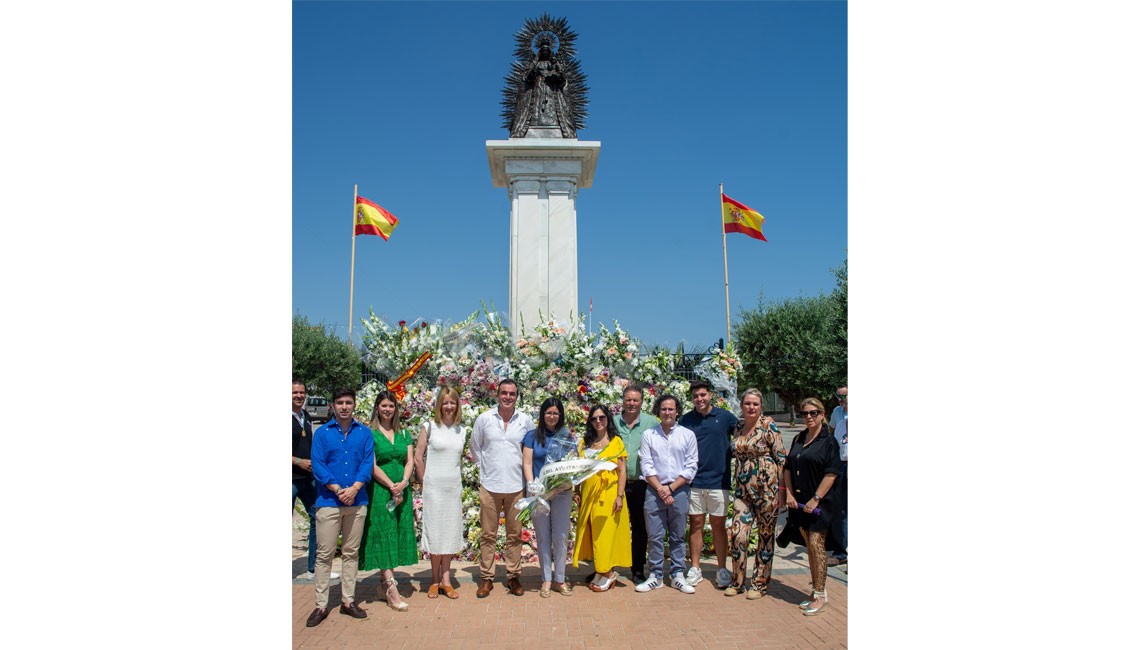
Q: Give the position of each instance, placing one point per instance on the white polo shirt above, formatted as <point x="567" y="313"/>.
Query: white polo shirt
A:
<point x="497" y="447"/>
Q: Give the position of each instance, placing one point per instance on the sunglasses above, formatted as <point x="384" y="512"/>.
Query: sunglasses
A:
<point x="810" y="414"/>
<point x="598" y="418"/>
<point x="840" y="396"/>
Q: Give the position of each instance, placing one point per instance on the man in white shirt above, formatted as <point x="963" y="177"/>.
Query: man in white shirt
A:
<point x="668" y="457"/>
<point x="496" y="444"/>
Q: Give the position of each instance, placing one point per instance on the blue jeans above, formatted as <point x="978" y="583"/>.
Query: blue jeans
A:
<point x="306" y="490"/>
<point x="551" y="529"/>
<point x="660" y="518"/>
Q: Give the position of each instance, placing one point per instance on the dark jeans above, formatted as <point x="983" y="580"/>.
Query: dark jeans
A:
<point x="842" y="480"/>
<point x="306" y="490"/>
<point x="635" y="499"/>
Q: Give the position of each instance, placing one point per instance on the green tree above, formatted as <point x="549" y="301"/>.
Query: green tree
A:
<point x="797" y="346"/>
<point x="322" y="360"/>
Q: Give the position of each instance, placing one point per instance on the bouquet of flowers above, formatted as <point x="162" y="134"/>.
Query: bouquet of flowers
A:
<point x="562" y="472"/>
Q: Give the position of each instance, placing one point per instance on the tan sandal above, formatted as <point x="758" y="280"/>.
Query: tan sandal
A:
<point x="433" y="591"/>
<point x="562" y="588"/>
<point x="392" y="594"/>
<point x="449" y="591"/>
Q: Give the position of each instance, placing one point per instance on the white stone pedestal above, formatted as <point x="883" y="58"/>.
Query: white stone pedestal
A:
<point x="542" y="177"/>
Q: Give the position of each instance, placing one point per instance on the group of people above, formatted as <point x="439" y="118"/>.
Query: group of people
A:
<point x="670" y="471"/>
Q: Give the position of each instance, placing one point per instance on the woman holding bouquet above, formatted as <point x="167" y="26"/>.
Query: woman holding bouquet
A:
<point x="442" y="535"/>
<point x="603" y="518"/>
<point x="759" y="452"/>
<point x="389" y="538"/>
<point x="549" y="442"/>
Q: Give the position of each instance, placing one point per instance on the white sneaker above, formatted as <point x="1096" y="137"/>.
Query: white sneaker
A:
<point x="652" y="583"/>
<point x="723" y="578"/>
<point x="680" y="584"/>
<point x="694" y="576"/>
<point x="332" y="576"/>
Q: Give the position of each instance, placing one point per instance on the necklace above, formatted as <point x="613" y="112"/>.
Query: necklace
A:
<point x="600" y="444"/>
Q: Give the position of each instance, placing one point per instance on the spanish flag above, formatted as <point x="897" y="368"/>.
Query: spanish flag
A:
<point x="740" y="218"/>
<point x="372" y="219"/>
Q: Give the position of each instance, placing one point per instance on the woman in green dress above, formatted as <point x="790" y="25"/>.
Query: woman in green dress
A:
<point x="389" y="538"/>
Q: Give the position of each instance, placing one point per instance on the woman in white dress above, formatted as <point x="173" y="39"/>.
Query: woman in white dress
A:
<point x="442" y="440"/>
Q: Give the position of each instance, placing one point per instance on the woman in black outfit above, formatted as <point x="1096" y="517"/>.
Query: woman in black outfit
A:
<point x="809" y="478"/>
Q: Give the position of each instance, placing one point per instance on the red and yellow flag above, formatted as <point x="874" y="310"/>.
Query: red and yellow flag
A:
<point x="372" y="219"/>
<point x="740" y="218"/>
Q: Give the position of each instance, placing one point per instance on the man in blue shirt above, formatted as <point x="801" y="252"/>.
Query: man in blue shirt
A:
<point x="342" y="457"/>
<point x="713" y="428"/>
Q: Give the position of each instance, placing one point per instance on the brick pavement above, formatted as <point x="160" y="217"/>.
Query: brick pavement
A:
<point x="619" y="618"/>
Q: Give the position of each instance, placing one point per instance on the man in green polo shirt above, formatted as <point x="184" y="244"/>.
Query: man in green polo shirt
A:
<point x="631" y="425"/>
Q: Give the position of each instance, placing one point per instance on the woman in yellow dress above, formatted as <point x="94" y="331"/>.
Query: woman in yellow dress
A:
<point x="603" y="518"/>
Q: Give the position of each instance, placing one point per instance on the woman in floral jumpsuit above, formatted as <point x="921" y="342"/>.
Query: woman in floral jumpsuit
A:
<point x="759" y="452"/>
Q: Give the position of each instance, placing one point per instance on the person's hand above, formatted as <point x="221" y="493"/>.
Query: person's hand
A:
<point x="305" y="464"/>
<point x="781" y="500"/>
<point x="617" y="504"/>
<point x="396" y="490"/>
<point x="347" y="495"/>
<point x="668" y="500"/>
<point x="791" y="501"/>
<point x="664" y="491"/>
<point x="811" y="505"/>
<point x="577" y="499"/>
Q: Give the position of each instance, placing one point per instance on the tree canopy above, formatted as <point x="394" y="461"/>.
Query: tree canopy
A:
<point x="321" y="359"/>
<point x="798" y="346"/>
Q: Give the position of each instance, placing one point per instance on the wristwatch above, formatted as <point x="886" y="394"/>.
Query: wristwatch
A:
<point x="817" y="497"/>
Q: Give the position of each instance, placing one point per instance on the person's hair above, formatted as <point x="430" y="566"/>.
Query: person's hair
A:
<point x="611" y="428"/>
<point x="843" y="385"/>
<point x="699" y="383"/>
<point x="344" y="392"/>
<point x="506" y="381"/>
<point x="437" y="413"/>
<point x="634" y="387"/>
<point x="297" y="380"/>
<point x="757" y="393"/>
<point x="541" y="431"/>
<point x="814" y="401"/>
<point x="374" y="418"/>
<point x="657" y="404"/>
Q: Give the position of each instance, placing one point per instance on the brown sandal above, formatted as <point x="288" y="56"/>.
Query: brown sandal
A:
<point x="433" y="591"/>
<point x="449" y="591"/>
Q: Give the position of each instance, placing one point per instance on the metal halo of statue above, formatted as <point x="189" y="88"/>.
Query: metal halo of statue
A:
<point x="545" y="95"/>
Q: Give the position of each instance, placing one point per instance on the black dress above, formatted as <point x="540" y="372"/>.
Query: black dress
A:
<point x="808" y="465"/>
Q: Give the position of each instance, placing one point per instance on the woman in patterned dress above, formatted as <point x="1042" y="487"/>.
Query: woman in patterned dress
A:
<point x="759" y="452"/>
<point x="442" y="441"/>
<point x="389" y="538"/>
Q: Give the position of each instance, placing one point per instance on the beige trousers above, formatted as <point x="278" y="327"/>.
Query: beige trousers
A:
<point x="348" y="523"/>
<point x="490" y="505"/>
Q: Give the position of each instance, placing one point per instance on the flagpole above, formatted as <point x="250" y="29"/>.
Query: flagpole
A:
<point x="352" y="272"/>
<point x="724" y="245"/>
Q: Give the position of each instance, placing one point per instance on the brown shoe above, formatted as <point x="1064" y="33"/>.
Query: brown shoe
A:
<point x="515" y="587"/>
<point x="352" y="610"/>
<point x="485" y="588"/>
<point x="449" y="591"/>
<point x="319" y="614"/>
<point x="433" y="591"/>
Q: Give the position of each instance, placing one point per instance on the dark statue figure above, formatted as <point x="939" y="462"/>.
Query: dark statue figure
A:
<point x="545" y="96"/>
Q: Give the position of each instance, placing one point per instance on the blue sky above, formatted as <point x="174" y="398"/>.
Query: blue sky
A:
<point x="400" y="98"/>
